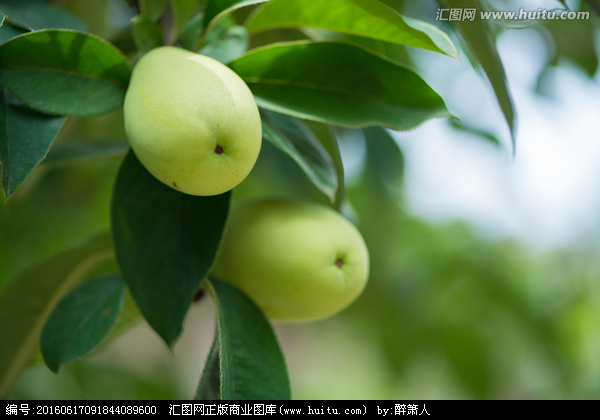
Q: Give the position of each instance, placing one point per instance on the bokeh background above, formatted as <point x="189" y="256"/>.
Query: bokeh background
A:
<point x="485" y="267"/>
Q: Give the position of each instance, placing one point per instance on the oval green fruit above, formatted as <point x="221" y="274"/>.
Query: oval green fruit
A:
<point x="297" y="261"/>
<point x="191" y="121"/>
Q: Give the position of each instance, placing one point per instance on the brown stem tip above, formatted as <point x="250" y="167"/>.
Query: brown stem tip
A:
<point x="218" y="150"/>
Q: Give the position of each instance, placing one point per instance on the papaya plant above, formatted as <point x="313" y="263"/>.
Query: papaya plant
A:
<point x="314" y="69"/>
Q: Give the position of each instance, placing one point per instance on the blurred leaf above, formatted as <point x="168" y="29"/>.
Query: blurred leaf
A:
<point x="476" y="36"/>
<point x="78" y="151"/>
<point x="252" y="365"/>
<point x="475" y="131"/>
<point x="292" y="137"/>
<point x="355" y="89"/>
<point x="27" y="301"/>
<point x="81" y="320"/>
<point x="466" y="352"/>
<point x="2" y="18"/>
<point x="8" y="31"/>
<point x="64" y="72"/>
<point x="219" y="30"/>
<point x="219" y="9"/>
<point x="17" y="3"/>
<point x="390" y="160"/>
<point x="209" y="387"/>
<point x="25" y="137"/>
<point x="164" y="253"/>
<point x="38" y="16"/>
<point x="147" y="34"/>
<point x="182" y="11"/>
<point x="230" y="46"/>
<point x="192" y="32"/>
<point x="153" y="9"/>
<point x="367" y="18"/>
<point x="575" y="40"/>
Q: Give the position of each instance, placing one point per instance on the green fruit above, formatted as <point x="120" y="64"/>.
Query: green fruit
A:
<point x="295" y="260"/>
<point x="191" y="121"/>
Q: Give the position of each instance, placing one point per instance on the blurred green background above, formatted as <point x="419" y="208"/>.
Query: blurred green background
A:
<point x="448" y="312"/>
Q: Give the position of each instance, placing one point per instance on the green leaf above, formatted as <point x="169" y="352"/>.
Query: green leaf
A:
<point x="574" y="40"/>
<point x="389" y="164"/>
<point x="366" y="18"/>
<point x="8" y="31"/>
<point x="182" y="11"/>
<point x="476" y="36"/>
<point x="328" y="137"/>
<point x="64" y="72"/>
<point x="81" y="320"/>
<point x="27" y="301"/>
<point x="85" y="150"/>
<point x="153" y="9"/>
<point x="38" y="16"/>
<point x="165" y="243"/>
<point x="296" y="140"/>
<point x="192" y="32"/>
<point x="491" y="138"/>
<point x="394" y="52"/>
<point x="219" y="9"/>
<point x="230" y="46"/>
<point x="209" y="387"/>
<point x="2" y="18"/>
<point x="355" y="89"/>
<point x="25" y="137"/>
<point x="252" y="364"/>
<point x="147" y="34"/>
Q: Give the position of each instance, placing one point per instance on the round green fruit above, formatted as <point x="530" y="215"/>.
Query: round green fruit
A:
<point x="191" y="121"/>
<point x="297" y="261"/>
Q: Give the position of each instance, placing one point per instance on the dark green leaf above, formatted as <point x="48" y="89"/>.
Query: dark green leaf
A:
<point x="295" y="139"/>
<point x="252" y="365"/>
<point x="153" y="9"/>
<point x="25" y="137"/>
<point x="8" y="31"/>
<point x="64" y="72"/>
<point x="81" y="320"/>
<point x="575" y="40"/>
<point x="18" y="3"/>
<point x="209" y="387"/>
<point x="27" y="301"/>
<point x="165" y="243"/>
<point x="230" y="46"/>
<point x="391" y="51"/>
<point x="84" y="150"/>
<point x="328" y="137"/>
<point x="219" y="9"/>
<point x="466" y="352"/>
<point x="366" y="18"/>
<point x="354" y="89"/>
<point x="147" y="34"/>
<point x="192" y="32"/>
<point x="182" y="11"/>
<point x="389" y="158"/>
<point x="476" y="35"/>
<point x="38" y="16"/>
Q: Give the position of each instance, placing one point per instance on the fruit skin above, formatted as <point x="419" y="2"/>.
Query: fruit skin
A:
<point x="284" y="254"/>
<point x="181" y="109"/>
